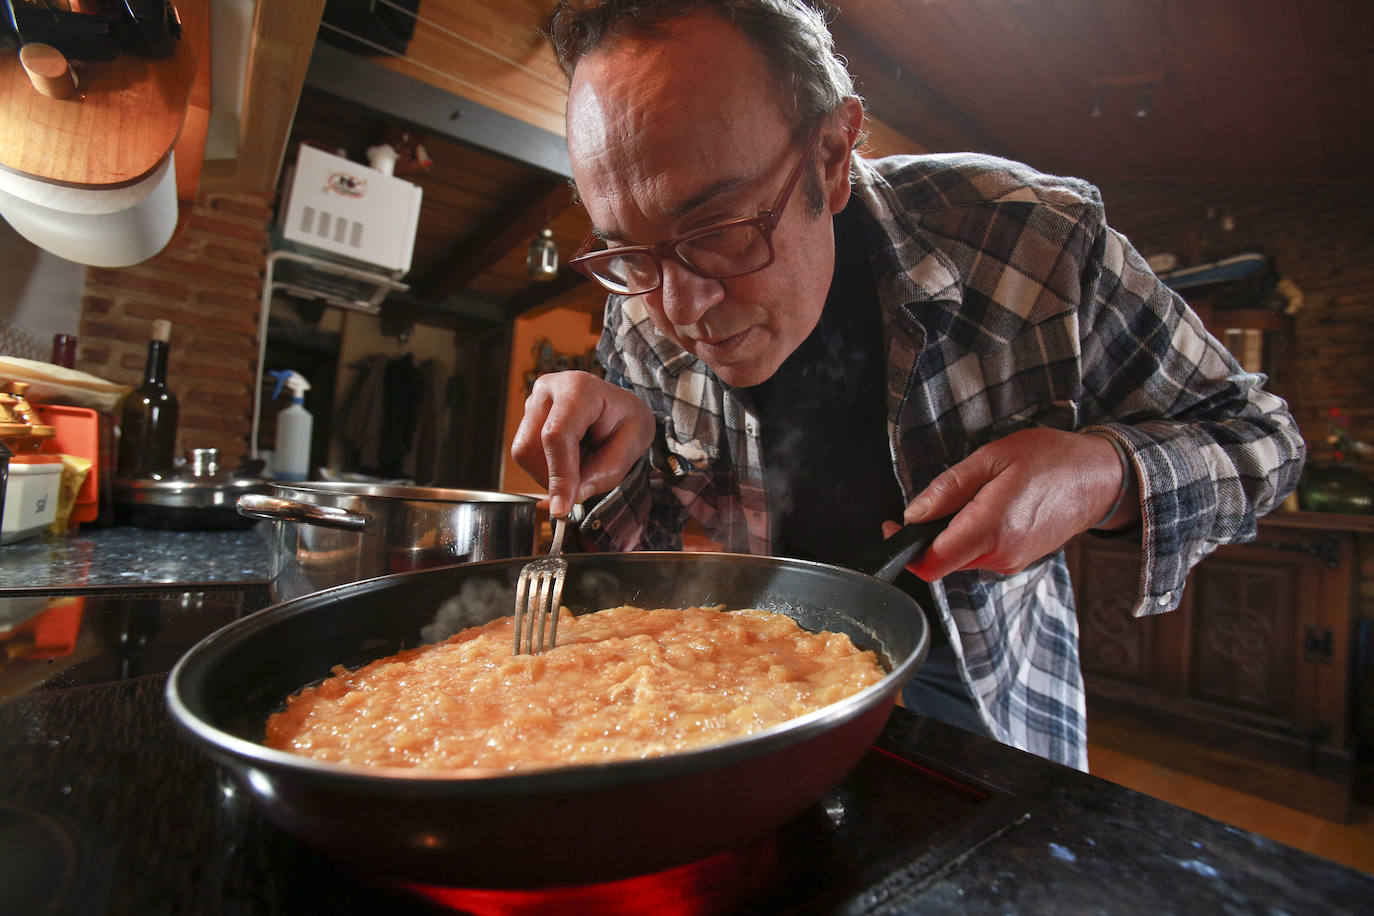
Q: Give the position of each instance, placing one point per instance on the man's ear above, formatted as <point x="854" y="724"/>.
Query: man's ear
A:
<point x="837" y="148"/>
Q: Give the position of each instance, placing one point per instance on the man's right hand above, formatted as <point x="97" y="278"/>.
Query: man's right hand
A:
<point x="580" y="436"/>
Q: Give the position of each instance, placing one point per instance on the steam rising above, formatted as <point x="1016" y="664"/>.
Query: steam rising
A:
<point x="827" y="366"/>
<point x="816" y="596"/>
<point x="477" y="601"/>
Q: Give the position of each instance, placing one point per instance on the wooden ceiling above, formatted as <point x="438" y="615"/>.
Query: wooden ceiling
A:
<point x="1231" y="90"/>
<point x="1170" y="90"/>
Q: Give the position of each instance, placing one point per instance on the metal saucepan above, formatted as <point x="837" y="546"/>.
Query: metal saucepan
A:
<point x="331" y="533"/>
<point x="561" y="826"/>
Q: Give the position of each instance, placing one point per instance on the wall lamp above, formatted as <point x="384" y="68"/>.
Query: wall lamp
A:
<point x="542" y="259"/>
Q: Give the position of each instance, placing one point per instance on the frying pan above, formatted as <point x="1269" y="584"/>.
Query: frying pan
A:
<point x="560" y="826"/>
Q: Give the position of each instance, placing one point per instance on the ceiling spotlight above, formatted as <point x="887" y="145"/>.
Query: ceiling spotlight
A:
<point x="1142" y="106"/>
<point x="1141" y="85"/>
<point x="542" y="260"/>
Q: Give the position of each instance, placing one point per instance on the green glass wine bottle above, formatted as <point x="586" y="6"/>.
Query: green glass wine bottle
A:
<point x="148" y="425"/>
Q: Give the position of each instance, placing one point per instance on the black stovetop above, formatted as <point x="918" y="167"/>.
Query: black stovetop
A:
<point x="105" y="808"/>
<point x="52" y="641"/>
<point x="162" y="837"/>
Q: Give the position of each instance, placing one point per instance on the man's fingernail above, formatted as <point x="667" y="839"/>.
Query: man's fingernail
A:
<point x="918" y="509"/>
<point x="558" y="506"/>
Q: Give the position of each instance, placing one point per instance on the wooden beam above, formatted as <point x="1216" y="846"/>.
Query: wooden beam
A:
<point x="190" y="145"/>
<point x="570" y="288"/>
<point x="462" y="305"/>
<point x="367" y="83"/>
<point x="278" y="57"/>
<point x="518" y="221"/>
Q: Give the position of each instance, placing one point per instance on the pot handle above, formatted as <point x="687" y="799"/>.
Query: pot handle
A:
<point x="892" y="555"/>
<point x="260" y="505"/>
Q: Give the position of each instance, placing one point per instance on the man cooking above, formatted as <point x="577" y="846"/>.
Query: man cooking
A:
<point x="803" y="347"/>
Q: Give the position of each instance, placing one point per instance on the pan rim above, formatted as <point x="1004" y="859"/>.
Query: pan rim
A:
<point x="244" y="752"/>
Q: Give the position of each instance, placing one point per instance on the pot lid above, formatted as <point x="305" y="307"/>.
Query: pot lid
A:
<point x="201" y="483"/>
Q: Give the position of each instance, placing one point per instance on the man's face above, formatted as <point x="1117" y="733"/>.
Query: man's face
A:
<point x="681" y="130"/>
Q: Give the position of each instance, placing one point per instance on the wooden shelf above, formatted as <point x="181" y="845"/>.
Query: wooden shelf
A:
<point x="1248" y="320"/>
<point x="119" y="126"/>
<point x="1321" y="521"/>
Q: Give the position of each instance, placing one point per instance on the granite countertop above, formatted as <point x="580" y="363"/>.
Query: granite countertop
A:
<point x="126" y="555"/>
<point x="102" y="766"/>
<point x="1068" y="843"/>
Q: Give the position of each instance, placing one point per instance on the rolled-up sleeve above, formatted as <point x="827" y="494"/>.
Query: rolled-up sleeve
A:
<point x="1212" y="449"/>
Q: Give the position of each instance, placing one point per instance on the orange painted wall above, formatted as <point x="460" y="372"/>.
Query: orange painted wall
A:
<point x="571" y="332"/>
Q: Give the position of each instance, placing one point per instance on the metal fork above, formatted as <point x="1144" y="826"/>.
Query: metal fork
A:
<point x="538" y="594"/>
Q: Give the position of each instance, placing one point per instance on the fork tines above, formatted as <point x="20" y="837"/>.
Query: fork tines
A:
<point x="538" y="596"/>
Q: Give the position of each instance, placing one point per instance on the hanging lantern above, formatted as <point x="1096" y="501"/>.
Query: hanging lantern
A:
<point x="542" y="260"/>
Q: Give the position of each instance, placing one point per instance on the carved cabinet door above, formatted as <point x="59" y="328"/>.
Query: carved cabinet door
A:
<point x="1255" y="643"/>
<point x="1249" y="610"/>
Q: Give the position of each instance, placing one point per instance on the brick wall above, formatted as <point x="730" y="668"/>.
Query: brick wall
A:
<point x="208" y="284"/>
<point x="1321" y="236"/>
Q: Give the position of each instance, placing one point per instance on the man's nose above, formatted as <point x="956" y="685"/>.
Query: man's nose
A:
<point x="686" y="296"/>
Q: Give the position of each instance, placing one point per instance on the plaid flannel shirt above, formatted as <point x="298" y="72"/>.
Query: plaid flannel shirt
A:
<point x="1007" y="303"/>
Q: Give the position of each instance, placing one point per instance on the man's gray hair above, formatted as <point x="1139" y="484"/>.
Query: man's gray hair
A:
<point x="792" y="35"/>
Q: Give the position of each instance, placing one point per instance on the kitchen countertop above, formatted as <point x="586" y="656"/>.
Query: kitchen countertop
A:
<point x="93" y="759"/>
<point x="1066" y="842"/>
<point x="126" y="555"/>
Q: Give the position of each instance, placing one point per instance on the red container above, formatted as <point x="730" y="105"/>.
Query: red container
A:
<point x="78" y="433"/>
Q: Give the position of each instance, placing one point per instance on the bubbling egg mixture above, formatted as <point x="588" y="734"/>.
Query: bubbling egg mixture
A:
<point x="622" y="683"/>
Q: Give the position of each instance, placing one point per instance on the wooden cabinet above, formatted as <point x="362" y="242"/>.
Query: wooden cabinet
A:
<point x="1248" y="682"/>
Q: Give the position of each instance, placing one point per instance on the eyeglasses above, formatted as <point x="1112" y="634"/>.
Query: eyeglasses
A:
<point x="722" y="250"/>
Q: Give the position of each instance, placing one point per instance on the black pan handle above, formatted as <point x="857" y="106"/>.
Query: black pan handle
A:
<point x="891" y="556"/>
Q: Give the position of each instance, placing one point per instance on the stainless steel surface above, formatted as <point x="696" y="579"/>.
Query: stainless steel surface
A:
<point x="260" y="505"/>
<point x="203" y="462"/>
<point x="199" y="495"/>
<point x="538" y="596"/>
<point x="327" y="534"/>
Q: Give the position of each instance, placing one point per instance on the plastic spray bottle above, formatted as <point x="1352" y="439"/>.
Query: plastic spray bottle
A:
<point x="291" y="459"/>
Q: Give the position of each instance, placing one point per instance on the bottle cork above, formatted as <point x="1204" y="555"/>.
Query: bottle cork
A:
<point x="48" y="70"/>
<point x="162" y="330"/>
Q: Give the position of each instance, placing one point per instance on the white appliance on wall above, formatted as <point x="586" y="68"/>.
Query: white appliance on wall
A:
<point x="347" y="237"/>
<point x="347" y="230"/>
<point x="350" y="210"/>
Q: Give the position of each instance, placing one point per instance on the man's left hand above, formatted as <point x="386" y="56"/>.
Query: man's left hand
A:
<point x="1018" y="499"/>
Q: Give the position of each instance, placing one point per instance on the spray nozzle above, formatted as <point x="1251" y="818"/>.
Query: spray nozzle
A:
<point x="292" y="379"/>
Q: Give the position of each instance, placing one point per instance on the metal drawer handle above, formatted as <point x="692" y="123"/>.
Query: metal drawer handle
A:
<point x="260" y="505"/>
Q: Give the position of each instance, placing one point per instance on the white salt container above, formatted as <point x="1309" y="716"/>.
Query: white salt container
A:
<point x="30" y="497"/>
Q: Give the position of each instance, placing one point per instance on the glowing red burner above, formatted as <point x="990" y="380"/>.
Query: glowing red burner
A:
<point x="722" y="883"/>
<point x="886" y="818"/>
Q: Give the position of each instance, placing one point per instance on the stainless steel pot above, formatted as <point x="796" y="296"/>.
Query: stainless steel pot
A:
<point x="329" y="534"/>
